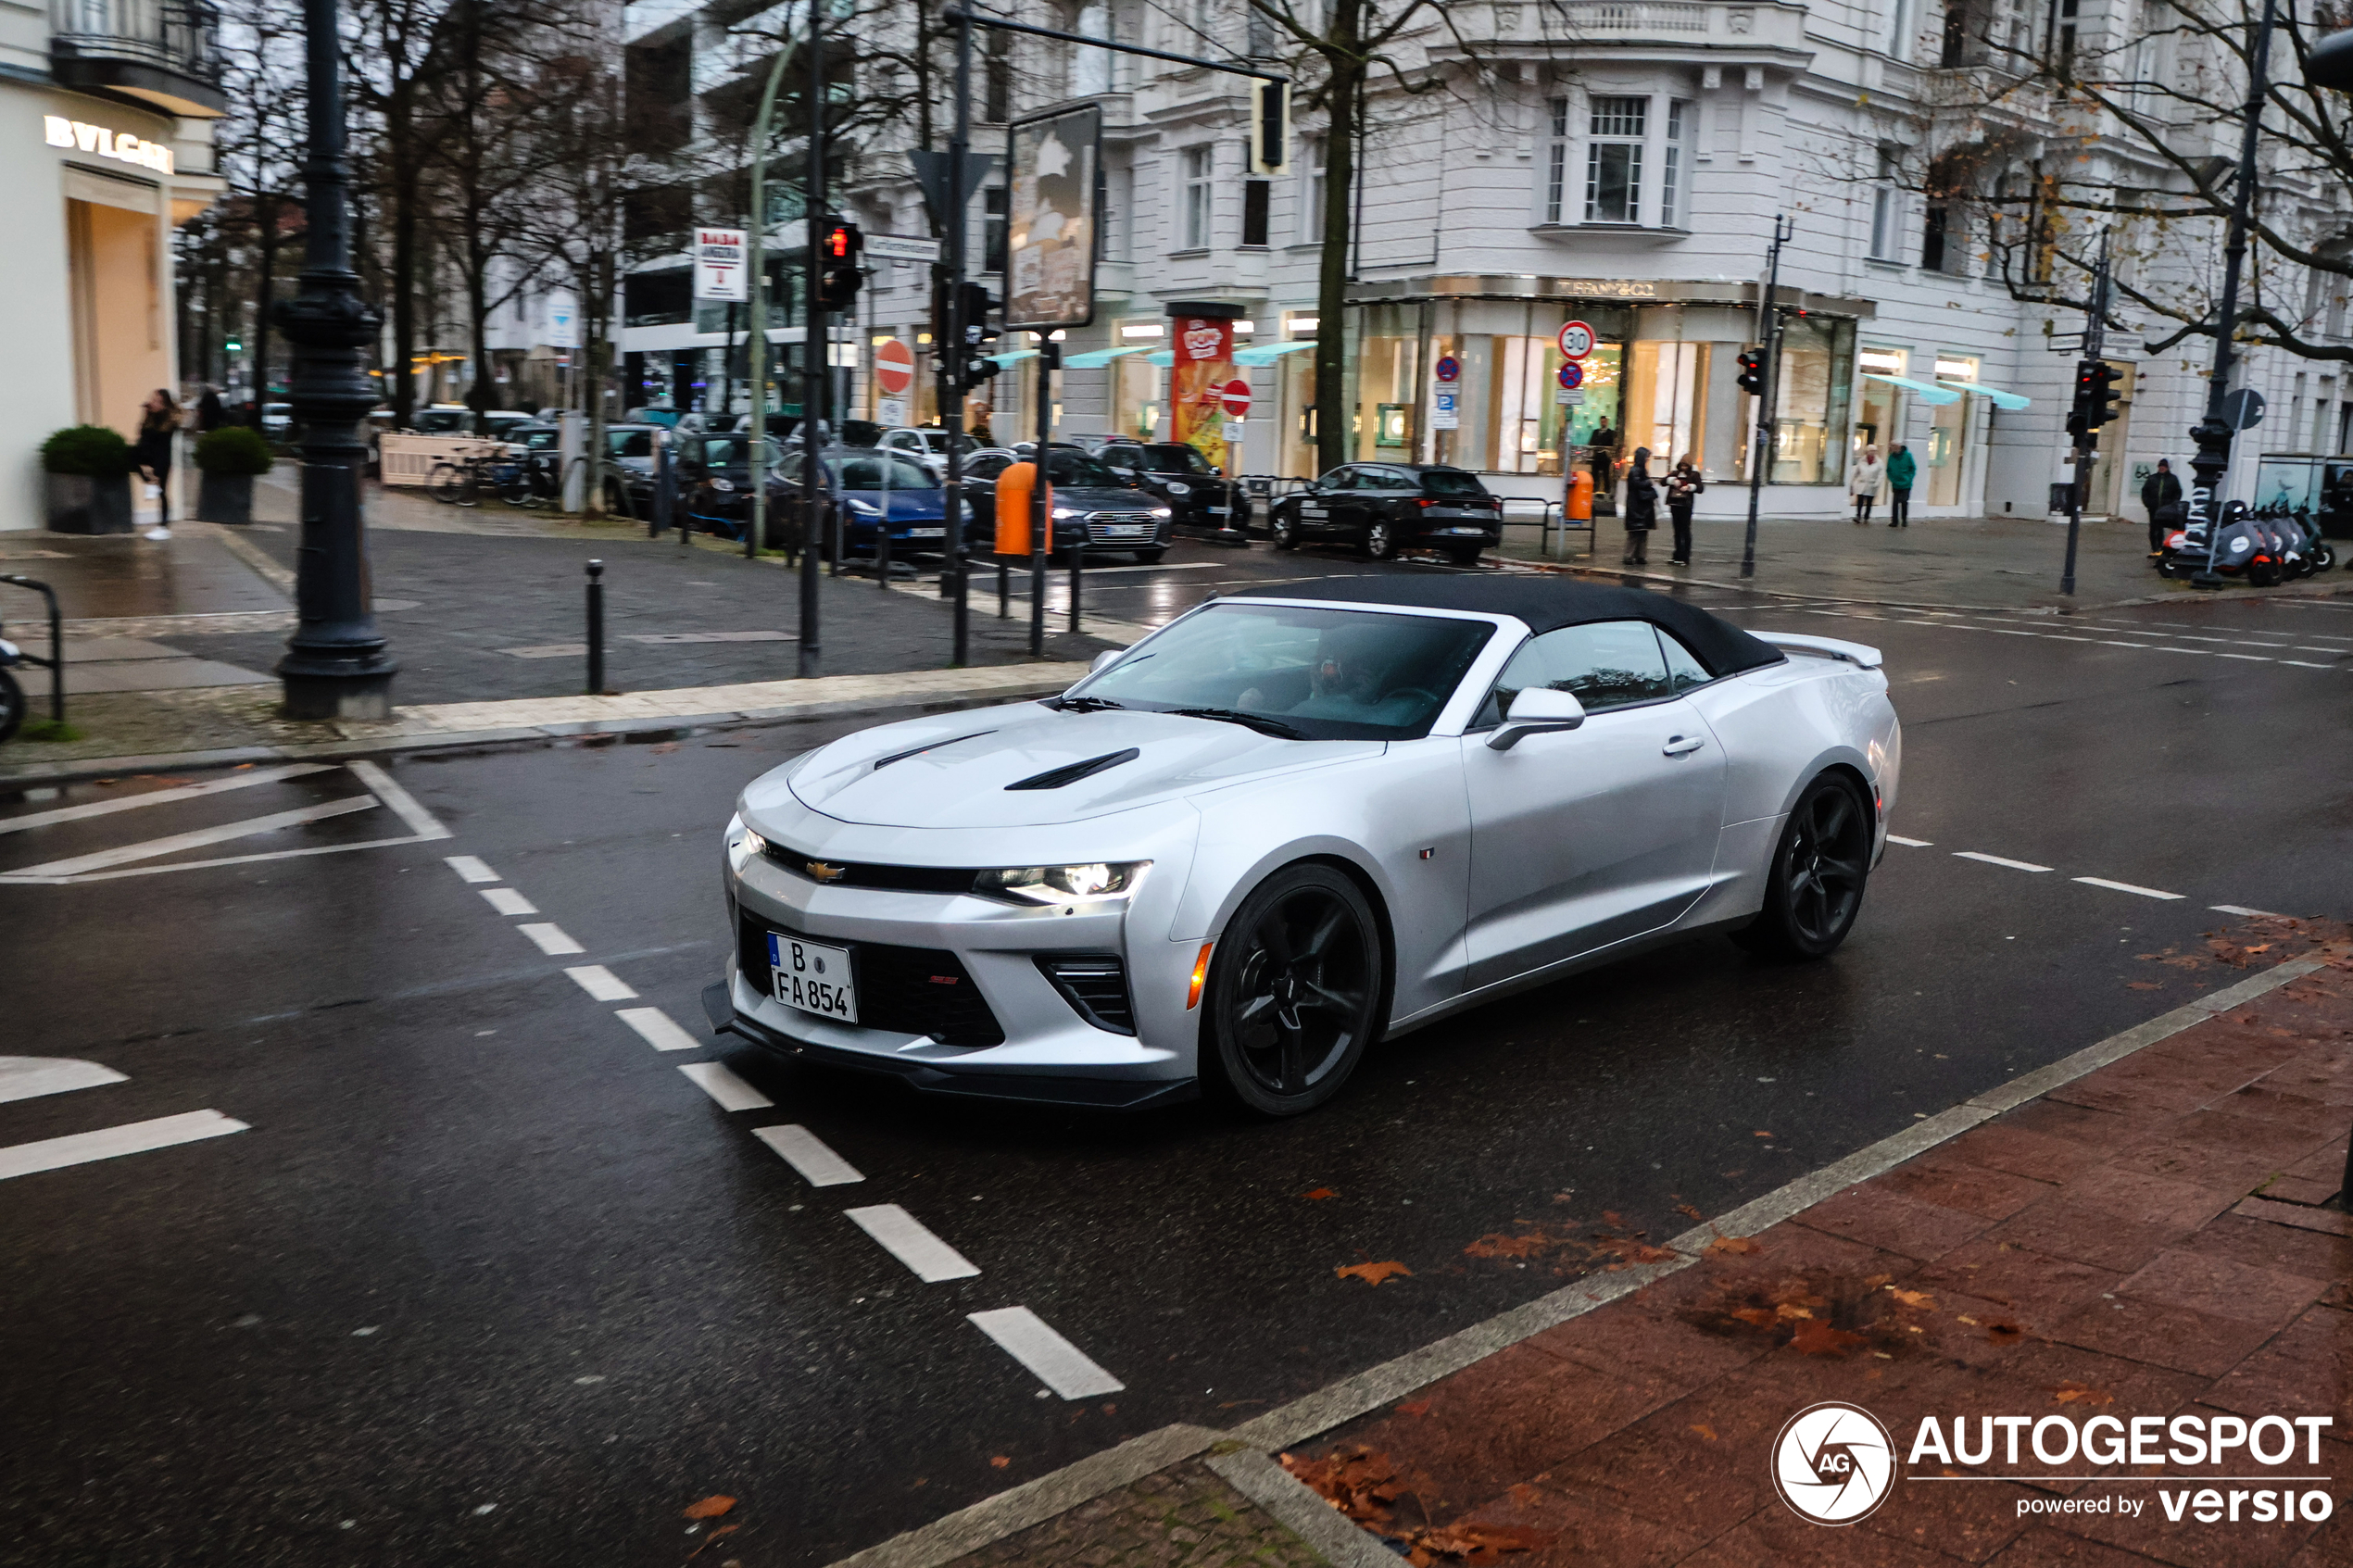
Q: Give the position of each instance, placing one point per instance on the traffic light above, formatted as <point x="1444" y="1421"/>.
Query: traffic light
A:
<point x="839" y="273"/>
<point x="979" y="333"/>
<point x="1752" y="376"/>
<point x="1269" y="127"/>
<point x="2097" y="400"/>
<point x="2107" y="400"/>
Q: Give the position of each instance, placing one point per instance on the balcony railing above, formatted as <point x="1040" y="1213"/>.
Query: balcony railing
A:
<point x="165" y="51"/>
<point x="1634" y="16"/>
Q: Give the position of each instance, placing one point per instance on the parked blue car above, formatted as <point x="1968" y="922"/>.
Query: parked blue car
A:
<point x="875" y="488"/>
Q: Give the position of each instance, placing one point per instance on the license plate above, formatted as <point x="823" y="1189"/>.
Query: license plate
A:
<point x="1125" y="531"/>
<point x="926" y="534"/>
<point x="813" y="977"/>
<point x="1217" y="511"/>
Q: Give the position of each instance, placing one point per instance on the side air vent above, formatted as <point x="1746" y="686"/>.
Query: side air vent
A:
<point x="1096" y="987"/>
<point x="882" y="762"/>
<point x="1055" y="778"/>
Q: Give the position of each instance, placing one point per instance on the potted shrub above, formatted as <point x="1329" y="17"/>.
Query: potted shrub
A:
<point x="89" y="475"/>
<point x="227" y="460"/>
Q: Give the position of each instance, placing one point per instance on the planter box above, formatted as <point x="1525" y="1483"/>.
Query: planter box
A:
<point x="224" y="498"/>
<point x="80" y="503"/>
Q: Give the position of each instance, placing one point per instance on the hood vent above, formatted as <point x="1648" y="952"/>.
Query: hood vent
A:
<point x="1071" y="773"/>
<point x="882" y="762"/>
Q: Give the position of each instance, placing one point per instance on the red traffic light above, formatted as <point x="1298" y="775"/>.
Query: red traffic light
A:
<point x="839" y="242"/>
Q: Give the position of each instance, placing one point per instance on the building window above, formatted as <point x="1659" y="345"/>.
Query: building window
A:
<point x="1255" y="195"/>
<point x="997" y="79"/>
<point x="1614" y="160"/>
<point x="1670" y="169"/>
<point x="1932" y="237"/>
<point x="2063" y="41"/>
<point x="1196" y="170"/>
<point x="1311" y="195"/>
<point x="993" y="230"/>
<point x="1886" y="212"/>
<point x="1557" y="169"/>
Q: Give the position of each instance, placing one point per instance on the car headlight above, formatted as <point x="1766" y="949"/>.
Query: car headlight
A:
<point x="864" y="508"/>
<point x="743" y="842"/>
<point x="1097" y="882"/>
<point x="1163" y="511"/>
<point x="1065" y="511"/>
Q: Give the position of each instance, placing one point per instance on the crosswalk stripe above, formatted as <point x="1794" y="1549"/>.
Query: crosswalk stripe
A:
<point x="131" y="1138"/>
<point x="1055" y="1361"/>
<point x="162" y="796"/>
<point x="30" y="1077"/>
<point x="906" y="1238"/>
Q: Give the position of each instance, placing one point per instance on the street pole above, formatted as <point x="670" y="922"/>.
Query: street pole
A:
<point x="2210" y="464"/>
<point x="1769" y="332"/>
<point x="756" y="536"/>
<point x="1041" y="510"/>
<point x="2087" y="438"/>
<point x="814" y="355"/>
<point x="335" y="666"/>
<point x="953" y="349"/>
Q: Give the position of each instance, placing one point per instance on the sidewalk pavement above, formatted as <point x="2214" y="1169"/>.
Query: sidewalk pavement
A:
<point x="1955" y="563"/>
<point x="2134" y="1232"/>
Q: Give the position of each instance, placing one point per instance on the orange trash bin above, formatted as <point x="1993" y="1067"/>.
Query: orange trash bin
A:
<point x="1013" y="490"/>
<point x="1578" y="505"/>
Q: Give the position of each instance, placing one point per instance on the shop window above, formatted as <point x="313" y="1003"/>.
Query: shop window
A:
<point x="1614" y="160"/>
<point x="1671" y="174"/>
<point x="1813" y="386"/>
<point x="1196" y="172"/>
<point x="1254" y="202"/>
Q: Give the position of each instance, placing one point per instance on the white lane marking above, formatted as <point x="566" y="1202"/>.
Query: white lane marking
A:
<point x="732" y="1092"/>
<point x="665" y="638"/>
<point x="131" y="1138"/>
<point x="508" y="901"/>
<point x="2168" y="648"/>
<point x="421" y="823"/>
<point x="905" y="1237"/>
<point x="2307" y="664"/>
<point x="551" y="939"/>
<point x="2258" y="658"/>
<point x="201" y="865"/>
<point x="2243" y="910"/>
<point x="2302" y="648"/>
<point x="2125" y="888"/>
<point x="602" y="983"/>
<point x="1910" y="843"/>
<point x="29" y="1077"/>
<point x="657" y="1029"/>
<point x="2111" y="642"/>
<point x="1055" y="1361"/>
<point x="472" y="867"/>
<point x="1997" y="860"/>
<point x="807" y="1153"/>
<point x="150" y="849"/>
<point x="162" y="796"/>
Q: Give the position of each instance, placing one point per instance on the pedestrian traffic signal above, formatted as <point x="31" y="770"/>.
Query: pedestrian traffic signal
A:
<point x="839" y="273"/>
<point x="2096" y="401"/>
<point x="978" y="306"/>
<point x="2107" y="400"/>
<point x="1752" y="376"/>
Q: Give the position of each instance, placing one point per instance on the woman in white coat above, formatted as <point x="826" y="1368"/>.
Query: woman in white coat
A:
<point x="1869" y="473"/>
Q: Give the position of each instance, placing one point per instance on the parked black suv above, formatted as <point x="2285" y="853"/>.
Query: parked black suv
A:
<point x="1179" y="475"/>
<point x="1386" y="508"/>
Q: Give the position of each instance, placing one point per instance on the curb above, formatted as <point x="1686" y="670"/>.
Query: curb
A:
<point x="994" y="1518"/>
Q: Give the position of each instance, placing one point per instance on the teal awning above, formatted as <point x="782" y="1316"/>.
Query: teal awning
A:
<point x="1013" y="354"/>
<point x="1267" y="354"/>
<point x="1095" y="359"/>
<point x="2013" y="401"/>
<point x="1163" y="357"/>
<point x="1928" y="392"/>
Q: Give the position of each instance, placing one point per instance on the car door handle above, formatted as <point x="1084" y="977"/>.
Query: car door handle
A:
<point x="1679" y="746"/>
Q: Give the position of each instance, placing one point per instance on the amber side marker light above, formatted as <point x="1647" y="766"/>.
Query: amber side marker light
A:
<point x="1200" y="977"/>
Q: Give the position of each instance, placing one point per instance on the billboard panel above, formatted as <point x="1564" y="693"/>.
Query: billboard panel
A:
<point x="1050" y="232"/>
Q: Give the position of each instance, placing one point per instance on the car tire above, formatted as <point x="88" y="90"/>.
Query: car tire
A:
<point x="1286" y="534"/>
<point x="617" y="502"/>
<point x="1467" y="557"/>
<point x="1807" y="915"/>
<point x="1380" y="542"/>
<point x="1305" y="946"/>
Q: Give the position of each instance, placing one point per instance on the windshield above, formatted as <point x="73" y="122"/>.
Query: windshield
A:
<point x="1449" y="482"/>
<point x="880" y="470"/>
<point x="733" y="451"/>
<point x="631" y="442"/>
<point x="1175" y="456"/>
<point x="1333" y="674"/>
<point x="1077" y="468"/>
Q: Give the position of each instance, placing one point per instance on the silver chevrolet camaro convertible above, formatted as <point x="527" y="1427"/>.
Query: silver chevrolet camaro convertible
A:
<point x="1291" y="823"/>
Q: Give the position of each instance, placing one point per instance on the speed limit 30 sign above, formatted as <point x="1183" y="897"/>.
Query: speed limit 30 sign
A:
<point x="1576" y="340"/>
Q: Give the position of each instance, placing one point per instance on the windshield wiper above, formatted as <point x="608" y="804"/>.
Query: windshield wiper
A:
<point x="1085" y="704"/>
<point x="1258" y="722"/>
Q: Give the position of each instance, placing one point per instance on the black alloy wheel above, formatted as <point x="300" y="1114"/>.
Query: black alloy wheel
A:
<point x="1381" y="540"/>
<point x="1286" y="533"/>
<point x="1816" y="886"/>
<point x="1294" y="992"/>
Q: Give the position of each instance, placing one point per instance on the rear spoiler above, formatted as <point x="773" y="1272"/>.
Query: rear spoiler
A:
<point x="1862" y="656"/>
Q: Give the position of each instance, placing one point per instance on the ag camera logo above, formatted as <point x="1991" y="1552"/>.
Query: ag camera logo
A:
<point x="1833" y="1463"/>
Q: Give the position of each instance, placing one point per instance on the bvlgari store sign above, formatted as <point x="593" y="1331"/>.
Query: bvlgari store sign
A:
<point x="98" y="141"/>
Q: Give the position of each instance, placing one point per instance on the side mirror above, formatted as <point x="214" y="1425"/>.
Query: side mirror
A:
<point x="1104" y="661"/>
<point x="1537" y="711"/>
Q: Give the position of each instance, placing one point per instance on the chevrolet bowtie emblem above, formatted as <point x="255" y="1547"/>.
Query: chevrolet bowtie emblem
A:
<point x="825" y="873"/>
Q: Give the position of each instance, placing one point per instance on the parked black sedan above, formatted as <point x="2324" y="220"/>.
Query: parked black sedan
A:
<point x="1385" y="507"/>
<point x="1116" y="512"/>
<point x="1179" y="475"/>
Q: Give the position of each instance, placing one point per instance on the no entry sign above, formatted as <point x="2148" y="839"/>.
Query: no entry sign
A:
<point x="1235" y="395"/>
<point x="1577" y="340"/>
<point x="894" y="367"/>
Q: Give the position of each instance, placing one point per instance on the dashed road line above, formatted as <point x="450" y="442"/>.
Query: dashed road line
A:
<point x="30" y="1077"/>
<point x="2125" y="888"/>
<point x="1055" y="1361"/>
<point x="602" y="983"/>
<point x="657" y="1029"/>
<point x="508" y="901"/>
<point x="714" y="1079"/>
<point x="405" y="806"/>
<point x="2243" y="910"/>
<point x="107" y="1143"/>
<point x="1910" y="843"/>
<point x="1998" y="861"/>
<point x="807" y="1153"/>
<point x="909" y="1240"/>
<point x="470" y="867"/>
<point x="552" y="939"/>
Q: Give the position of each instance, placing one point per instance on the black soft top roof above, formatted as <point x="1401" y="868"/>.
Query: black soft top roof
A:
<point x="1545" y="602"/>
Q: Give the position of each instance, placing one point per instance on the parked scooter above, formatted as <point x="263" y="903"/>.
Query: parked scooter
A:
<point x="2241" y="547"/>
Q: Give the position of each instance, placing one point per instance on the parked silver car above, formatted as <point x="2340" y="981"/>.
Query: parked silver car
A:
<point x="1294" y="822"/>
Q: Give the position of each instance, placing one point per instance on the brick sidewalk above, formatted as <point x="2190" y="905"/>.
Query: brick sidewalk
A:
<point x="2144" y="1239"/>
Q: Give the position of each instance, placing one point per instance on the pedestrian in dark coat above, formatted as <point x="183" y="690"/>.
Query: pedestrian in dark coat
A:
<point x="1683" y="485"/>
<point x="151" y="454"/>
<point x="211" y="414"/>
<point x="2159" y="491"/>
<point x="1641" y="509"/>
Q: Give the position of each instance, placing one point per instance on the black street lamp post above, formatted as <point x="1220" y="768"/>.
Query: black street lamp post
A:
<point x="335" y="665"/>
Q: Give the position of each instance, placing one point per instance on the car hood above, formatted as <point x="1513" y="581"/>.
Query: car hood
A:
<point x="1093" y="497"/>
<point x="961" y="781"/>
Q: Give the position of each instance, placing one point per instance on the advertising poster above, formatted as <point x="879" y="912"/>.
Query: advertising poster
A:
<point x="1203" y="362"/>
<point x="1049" y="233"/>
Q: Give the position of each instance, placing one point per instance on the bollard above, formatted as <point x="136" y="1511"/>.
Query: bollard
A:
<point x="595" y="628"/>
<point x="1074" y="556"/>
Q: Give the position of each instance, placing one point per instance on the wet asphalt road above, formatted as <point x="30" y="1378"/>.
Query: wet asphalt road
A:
<point x="488" y="1279"/>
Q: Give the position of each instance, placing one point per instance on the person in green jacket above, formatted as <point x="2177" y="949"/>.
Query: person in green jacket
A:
<point x="1901" y="470"/>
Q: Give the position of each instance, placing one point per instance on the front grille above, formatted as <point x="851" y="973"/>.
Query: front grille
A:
<point x="896" y="879"/>
<point x="900" y="990"/>
<point x="1096" y="987"/>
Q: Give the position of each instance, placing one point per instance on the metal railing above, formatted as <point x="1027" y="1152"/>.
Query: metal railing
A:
<point x="180" y="35"/>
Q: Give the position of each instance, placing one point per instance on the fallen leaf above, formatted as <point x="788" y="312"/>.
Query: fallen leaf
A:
<point x="1704" y="1430"/>
<point x="1969" y="1320"/>
<point x="1320" y="1194"/>
<point x="2074" y="1393"/>
<point x="1372" y="1274"/>
<point x="2145" y="985"/>
<point x="1419" y="1407"/>
<point x="1760" y="1134"/>
<point x="1359" y="1482"/>
<point x="710" y="1507"/>
<point x="1736" y="1245"/>
<point x="1468" y="1543"/>
<point x="1687" y="1208"/>
<point x="1820" y="1338"/>
<point x="1914" y="1297"/>
<point x="1500" y="1246"/>
<point x="1789" y="1311"/>
<point x="1763" y="1317"/>
<point x="999" y="1462"/>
